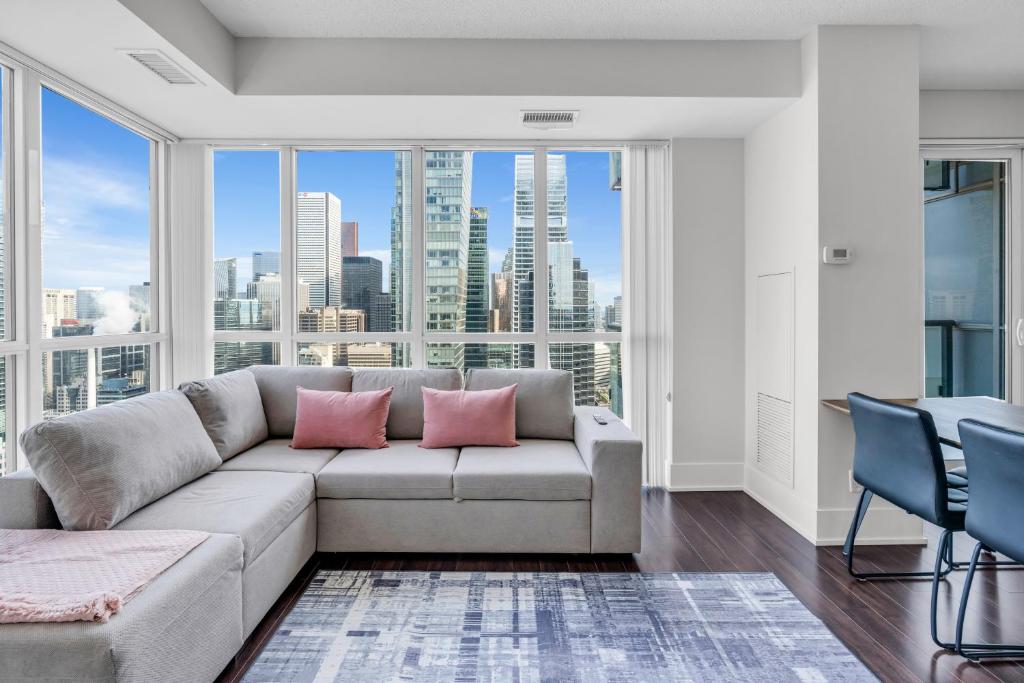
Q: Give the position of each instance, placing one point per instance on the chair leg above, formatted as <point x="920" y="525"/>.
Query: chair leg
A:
<point x="978" y="651"/>
<point x="943" y="555"/>
<point x="851" y="537"/>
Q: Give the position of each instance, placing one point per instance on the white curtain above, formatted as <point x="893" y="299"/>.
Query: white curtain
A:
<point x="647" y="291"/>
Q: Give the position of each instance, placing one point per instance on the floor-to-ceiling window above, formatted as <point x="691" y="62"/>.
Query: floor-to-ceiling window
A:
<point x="422" y="257"/>
<point x="964" y="276"/>
<point x="81" y="228"/>
<point x="96" y="253"/>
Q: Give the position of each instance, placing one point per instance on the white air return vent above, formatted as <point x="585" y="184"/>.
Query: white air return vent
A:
<point x="774" y="361"/>
<point x="548" y="119"/>
<point x="162" y="66"/>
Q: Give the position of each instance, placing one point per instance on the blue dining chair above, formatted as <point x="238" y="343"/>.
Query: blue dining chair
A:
<point x="897" y="457"/>
<point x="994" y="458"/>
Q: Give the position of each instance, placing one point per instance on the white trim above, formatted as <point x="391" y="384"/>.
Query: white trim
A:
<point x="541" y="324"/>
<point x="706" y="476"/>
<point x="286" y="235"/>
<point x="418" y="317"/>
<point x="86" y="96"/>
<point x="472" y="144"/>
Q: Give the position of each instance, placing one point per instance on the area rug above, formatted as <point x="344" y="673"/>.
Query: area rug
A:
<point x="539" y="627"/>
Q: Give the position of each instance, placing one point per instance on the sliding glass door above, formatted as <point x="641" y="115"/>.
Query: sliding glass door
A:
<point x="970" y="273"/>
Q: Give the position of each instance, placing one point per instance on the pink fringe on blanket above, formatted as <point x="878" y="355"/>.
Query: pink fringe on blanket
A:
<point x="49" y="575"/>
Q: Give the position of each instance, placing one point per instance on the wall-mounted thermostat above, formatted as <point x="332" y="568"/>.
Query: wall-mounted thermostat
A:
<point x="836" y="255"/>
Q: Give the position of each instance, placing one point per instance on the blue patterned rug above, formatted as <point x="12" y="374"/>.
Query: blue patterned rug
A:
<point x="538" y="627"/>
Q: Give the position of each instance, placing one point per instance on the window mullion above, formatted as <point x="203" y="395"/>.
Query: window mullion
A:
<point x="419" y="203"/>
<point x="540" y="256"/>
<point x="289" y="292"/>
<point x="29" y="228"/>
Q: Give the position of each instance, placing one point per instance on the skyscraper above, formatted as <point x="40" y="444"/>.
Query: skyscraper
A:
<point x="477" y="272"/>
<point x="401" y="253"/>
<point x="59" y="305"/>
<point x="350" y="238"/>
<point x="87" y="304"/>
<point x="267" y="291"/>
<point x="138" y="299"/>
<point x="318" y="247"/>
<point x="225" y="278"/>
<point x="380" y="313"/>
<point x="448" y="182"/>
<point x="362" y="280"/>
<point x="265" y="263"/>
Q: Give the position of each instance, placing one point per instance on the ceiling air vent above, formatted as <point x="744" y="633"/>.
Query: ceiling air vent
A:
<point x="161" y="65"/>
<point x="547" y="120"/>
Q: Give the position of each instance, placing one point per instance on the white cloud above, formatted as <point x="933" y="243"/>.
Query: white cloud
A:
<point x="89" y="235"/>
<point x="118" y="316"/>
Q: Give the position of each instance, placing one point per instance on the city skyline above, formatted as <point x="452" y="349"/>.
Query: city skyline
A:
<point x="247" y="211"/>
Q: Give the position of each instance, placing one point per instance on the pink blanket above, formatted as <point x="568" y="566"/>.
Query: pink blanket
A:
<point x="50" y="575"/>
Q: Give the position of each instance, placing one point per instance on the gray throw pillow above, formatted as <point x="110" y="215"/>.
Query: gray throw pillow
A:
<point x="99" y="466"/>
<point x="231" y="410"/>
<point x="544" y="399"/>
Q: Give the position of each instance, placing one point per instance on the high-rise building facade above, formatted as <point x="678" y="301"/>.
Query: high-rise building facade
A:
<point x="265" y="263"/>
<point x="87" y="304"/>
<point x="350" y="238"/>
<point x="362" y="280"/>
<point x="447" y="184"/>
<point x="318" y="247"/>
<point x="225" y="278"/>
<point x="267" y="291"/>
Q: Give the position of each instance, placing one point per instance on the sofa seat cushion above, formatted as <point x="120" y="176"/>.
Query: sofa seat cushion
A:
<point x="255" y="506"/>
<point x="184" y="626"/>
<point x="403" y="470"/>
<point x="277" y="455"/>
<point x="539" y="469"/>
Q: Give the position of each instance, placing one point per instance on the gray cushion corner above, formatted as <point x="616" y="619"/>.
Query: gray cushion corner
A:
<point x="231" y="410"/>
<point x="537" y="469"/>
<point x="405" y="417"/>
<point x="278" y="390"/>
<point x="99" y="466"/>
<point x="544" y="399"/>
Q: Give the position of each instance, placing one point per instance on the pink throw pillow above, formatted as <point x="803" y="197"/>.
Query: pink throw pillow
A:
<point x="341" y="419"/>
<point x="469" y="418"/>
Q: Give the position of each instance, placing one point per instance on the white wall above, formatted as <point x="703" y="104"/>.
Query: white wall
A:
<point x="839" y="168"/>
<point x="871" y="312"/>
<point x="972" y="114"/>
<point x="781" y="236"/>
<point x="707" y="315"/>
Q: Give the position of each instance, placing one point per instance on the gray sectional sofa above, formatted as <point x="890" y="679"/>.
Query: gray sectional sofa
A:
<point x="214" y="455"/>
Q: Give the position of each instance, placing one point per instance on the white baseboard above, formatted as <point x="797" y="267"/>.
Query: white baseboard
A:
<point x="882" y="526"/>
<point x="705" y="476"/>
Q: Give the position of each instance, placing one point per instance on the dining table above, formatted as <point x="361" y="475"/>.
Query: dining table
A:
<point x="947" y="412"/>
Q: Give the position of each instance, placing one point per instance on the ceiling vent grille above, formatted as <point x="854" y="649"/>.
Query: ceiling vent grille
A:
<point x="162" y="66"/>
<point x="548" y="120"/>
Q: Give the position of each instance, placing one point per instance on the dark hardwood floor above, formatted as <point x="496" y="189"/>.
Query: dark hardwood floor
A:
<point x="883" y="623"/>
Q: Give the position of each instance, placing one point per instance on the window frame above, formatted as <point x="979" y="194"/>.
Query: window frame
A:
<point x="417" y="337"/>
<point x="1012" y="155"/>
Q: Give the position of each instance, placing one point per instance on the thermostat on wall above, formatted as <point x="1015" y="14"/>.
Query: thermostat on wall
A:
<point x="836" y="255"/>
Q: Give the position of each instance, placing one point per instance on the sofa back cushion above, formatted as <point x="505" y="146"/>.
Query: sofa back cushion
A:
<point x="405" y="420"/>
<point x="544" y="399"/>
<point x="99" y="466"/>
<point x="278" y="390"/>
<point x="231" y="410"/>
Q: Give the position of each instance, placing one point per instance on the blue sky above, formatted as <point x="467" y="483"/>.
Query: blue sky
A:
<point x="95" y="197"/>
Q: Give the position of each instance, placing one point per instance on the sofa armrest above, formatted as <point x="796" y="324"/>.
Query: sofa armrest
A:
<point x="24" y="504"/>
<point x="614" y="456"/>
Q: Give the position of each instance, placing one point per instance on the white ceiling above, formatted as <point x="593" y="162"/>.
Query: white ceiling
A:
<point x="964" y="43"/>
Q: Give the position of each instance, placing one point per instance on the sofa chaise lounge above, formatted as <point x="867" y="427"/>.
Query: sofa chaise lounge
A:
<point x="214" y="455"/>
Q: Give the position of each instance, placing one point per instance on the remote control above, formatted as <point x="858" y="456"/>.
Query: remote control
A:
<point x="600" y="420"/>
